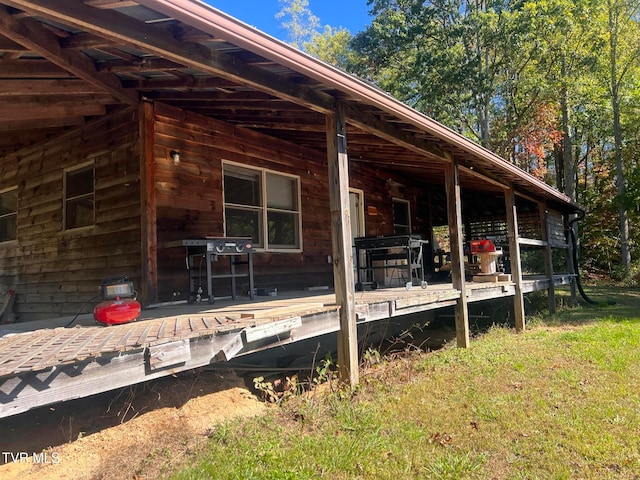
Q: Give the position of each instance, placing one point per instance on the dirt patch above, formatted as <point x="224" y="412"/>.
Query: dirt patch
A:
<point x="144" y="431"/>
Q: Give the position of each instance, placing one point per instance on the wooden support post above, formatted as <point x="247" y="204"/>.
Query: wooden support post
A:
<point x="571" y="270"/>
<point x="548" y="257"/>
<point x="341" y="240"/>
<point x="148" y="217"/>
<point x="514" y="255"/>
<point x="454" y="208"/>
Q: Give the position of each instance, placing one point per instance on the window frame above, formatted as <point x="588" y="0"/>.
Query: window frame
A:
<point x="263" y="208"/>
<point x="10" y="214"/>
<point x="66" y="199"/>
<point x="407" y="204"/>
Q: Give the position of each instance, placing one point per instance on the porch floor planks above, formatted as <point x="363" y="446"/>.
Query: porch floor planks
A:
<point x="43" y="349"/>
<point x="145" y="333"/>
<point x="103" y="341"/>
<point x="8" y="350"/>
<point x="65" y="345"/>
<point x="79" y="352"/>
<point x="46" y="348"/>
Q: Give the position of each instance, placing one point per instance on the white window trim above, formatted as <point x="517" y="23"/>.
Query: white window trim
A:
<point x="5" y="190"/>
<point x="91" y="163"/>
<point x="263" y="208"/>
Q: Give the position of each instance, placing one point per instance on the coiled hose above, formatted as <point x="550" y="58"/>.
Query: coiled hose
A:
<point x="576" y="269"/>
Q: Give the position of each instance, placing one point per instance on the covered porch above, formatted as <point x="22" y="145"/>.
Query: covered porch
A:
<point x="189" y="124"/>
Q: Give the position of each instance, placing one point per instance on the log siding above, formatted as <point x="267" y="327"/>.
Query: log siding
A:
<point x="190" y="198"/>
<point x="56" y="272"/>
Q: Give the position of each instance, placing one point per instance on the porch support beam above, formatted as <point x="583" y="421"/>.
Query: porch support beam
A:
<point x="571" y="228"/>
<point x="454" y="208"/>
<point x="148" y="217"/>
<point x="341" y="240"/>
<point x="548" y="256"/>
<point x="514" y="254"/>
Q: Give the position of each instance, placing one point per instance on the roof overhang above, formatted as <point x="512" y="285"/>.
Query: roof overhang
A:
<point x="100" y="55"/>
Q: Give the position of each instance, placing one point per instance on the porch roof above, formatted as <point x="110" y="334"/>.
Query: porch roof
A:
<point x="63" y="62"/>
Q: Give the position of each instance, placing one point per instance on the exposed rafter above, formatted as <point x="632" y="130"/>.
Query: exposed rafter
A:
<point x="141" y="65"/>
<point x="32" y="124"/>
<point x="12" y="88"/>
<point x="122" y="29"/>
<point x="32" y="68"/>
<point x="371" y="123"/>
<point x="9" y="112"/>
<point x="30" y="34"/>
<point x="62" y="61"/>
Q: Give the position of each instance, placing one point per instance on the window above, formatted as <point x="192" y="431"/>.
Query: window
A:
<point x="8" y="214"/>
<point x="79" y="197"/>
<point x="401" y="217"/>
<point x="263" y="205"/>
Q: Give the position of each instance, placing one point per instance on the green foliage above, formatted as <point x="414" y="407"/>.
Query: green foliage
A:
<point x="552" y="86"/>
<point x="276" y="390"/>
<point x="627" y="276"/>
<point x="298" y="21"/>
<point x="332" y="46"/>
<point x="325" y="371"/>
<point x="442" y="59"/>
<point x="558" y="401"/>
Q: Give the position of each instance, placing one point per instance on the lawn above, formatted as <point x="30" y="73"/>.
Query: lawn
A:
<point x="559" y="401"/>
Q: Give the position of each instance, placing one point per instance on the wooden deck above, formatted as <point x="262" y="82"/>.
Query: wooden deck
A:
<point x="49" y="365"/>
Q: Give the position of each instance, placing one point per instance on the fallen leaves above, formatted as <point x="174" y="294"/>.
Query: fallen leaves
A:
<point x="443" y="439"/>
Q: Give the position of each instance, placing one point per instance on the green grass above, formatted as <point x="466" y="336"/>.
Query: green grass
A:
<point x="560" y="401"/>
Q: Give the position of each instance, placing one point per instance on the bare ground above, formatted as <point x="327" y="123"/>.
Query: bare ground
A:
<point x="141" y="432"/>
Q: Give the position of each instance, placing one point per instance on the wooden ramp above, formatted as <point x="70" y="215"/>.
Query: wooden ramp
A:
<point x="42" y="349"/>
<point x="46" y="366"/>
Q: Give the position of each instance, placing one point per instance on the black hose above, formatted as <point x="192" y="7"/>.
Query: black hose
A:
<point x="574" y="243"/>
<point x="574" y="253"/>
<point x="92" y="299"/>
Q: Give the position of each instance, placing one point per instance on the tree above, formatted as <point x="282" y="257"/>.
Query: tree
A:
<point x="624" y="44"/>
<point x="550" y="85"/>
<point x="468" y="64"/>
<point x="562" y="61"/>
<point x="332" y="46"/>
<point x="298" y="21"/>
<point x="414" y="51"/>
<point x="536" y="138"/>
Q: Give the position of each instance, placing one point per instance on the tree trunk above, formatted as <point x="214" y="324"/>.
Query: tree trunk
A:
<point x="623" y="220"/>
<point x="568" y="165"/>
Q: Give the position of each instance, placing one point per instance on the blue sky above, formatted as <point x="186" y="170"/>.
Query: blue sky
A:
<point x="350" y="14"/>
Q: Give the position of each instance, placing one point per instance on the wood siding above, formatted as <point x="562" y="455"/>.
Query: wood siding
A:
<point x="57" y="272"/>
<point x="190" y="201"/>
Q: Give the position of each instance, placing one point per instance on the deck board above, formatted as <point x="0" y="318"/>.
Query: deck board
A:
<point x="195" y="335"/>
<point x="42" y="349"/>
